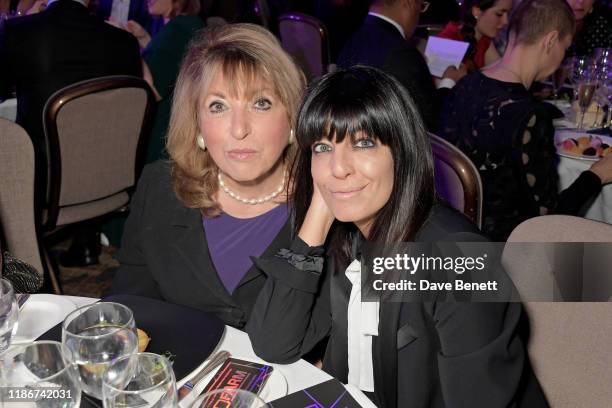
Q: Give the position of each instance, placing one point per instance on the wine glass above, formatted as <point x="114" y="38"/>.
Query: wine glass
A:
<point x="142" y="380"/>
<point x="9" y="311"/>
<point x="97" y="335"/>
<point x="230" y="398"/>
<point x="39" y="375"/>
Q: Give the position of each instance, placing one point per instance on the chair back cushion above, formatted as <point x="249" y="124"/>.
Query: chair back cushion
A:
<point x="305" y="39"/>
<point x="457" y="179"/>
<point x="17" y="194"/>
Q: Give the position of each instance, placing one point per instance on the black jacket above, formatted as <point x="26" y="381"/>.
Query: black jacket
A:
<point x="44" y="52"/>
<point x="428" y="354"/>
<point x="164" y="254"/>
<point x="379" y="44"/>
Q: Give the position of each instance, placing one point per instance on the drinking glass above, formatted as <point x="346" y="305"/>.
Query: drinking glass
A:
<point x="142" y="380"/>
<point x="586" y="90"/>
<point x="580" y="67"/>
<point x="97" y="335"/>
<point x="9" y="311"/>
<point x="38" y="375"/>
<point x="230" y="398"/>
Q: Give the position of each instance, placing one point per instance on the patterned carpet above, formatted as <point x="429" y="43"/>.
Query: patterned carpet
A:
<point x="91" y="281"/>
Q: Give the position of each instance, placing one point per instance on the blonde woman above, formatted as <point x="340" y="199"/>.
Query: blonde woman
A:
<point x="222" y="198"/>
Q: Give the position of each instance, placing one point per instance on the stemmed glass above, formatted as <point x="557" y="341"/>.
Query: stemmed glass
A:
<point x="586" y="90"/>
<point x="9" y="311"/>
<point x="39" y="375"/>
<point x="143" y="380"/>
<point x="97" y="335"/>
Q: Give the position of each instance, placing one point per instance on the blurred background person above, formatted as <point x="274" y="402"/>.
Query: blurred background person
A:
<point x="382" y="42"/>
<point x="593" y="26"/>
<point x="481" y="22"/>
<point x="162" y="56"/>
<point x="508" y="134"/>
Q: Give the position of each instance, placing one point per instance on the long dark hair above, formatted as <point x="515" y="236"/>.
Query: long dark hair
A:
<point x="364" y="99"/>
<point x="468" y="26"/>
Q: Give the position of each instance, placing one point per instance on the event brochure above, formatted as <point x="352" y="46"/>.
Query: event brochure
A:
<point x="238" y="374"/>
<point x="330" y="394"/>
<point x="441" y="53"/>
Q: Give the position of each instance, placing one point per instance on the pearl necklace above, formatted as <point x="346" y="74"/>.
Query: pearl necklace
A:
<point x="252" y="201"/>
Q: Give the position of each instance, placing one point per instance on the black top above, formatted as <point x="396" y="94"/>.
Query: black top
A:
<point x="509" y="136"/>
<point x="164" y="254"/>
<point x="596" y="32"/>
<point x="379" y="44"/>
<point x="45" y="52"/>
<point x="428" y="354"/>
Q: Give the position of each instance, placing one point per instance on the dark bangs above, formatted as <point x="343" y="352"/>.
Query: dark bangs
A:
<point x="344" y="107"/>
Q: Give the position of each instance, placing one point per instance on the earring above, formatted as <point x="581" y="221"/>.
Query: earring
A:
<point x="200" y="142"/>
<point x="291" y="137"/>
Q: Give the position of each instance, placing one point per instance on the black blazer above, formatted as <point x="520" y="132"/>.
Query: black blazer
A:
<point x="164" y="254"/>
<point x="379" y="44"/>
<point x="44" y="52"/>
<point x="426" y="355"/>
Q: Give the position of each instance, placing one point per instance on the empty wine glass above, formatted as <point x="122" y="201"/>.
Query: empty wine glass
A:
<point x="230" y="398"/>
<point x="9" y="311"/>
<point x="97" y="335"/>
<point x="38" y="375"/>
<point x="143" y="380"/>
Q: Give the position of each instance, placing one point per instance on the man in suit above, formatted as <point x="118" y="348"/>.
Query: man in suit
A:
<point x="382" y="42"/>
<point x="45" y="52"/>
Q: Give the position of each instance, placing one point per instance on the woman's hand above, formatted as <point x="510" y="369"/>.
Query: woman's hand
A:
<point x="139" y="32"/>
<point x="317" y="222"/>
<point x="603" y="169"/>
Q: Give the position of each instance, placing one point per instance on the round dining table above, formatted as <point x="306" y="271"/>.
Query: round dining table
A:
<point x="569" y="168"/>
<point x="41" y="312"/>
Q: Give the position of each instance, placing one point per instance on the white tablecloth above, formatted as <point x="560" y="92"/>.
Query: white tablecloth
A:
<point x="44" y="312"/>
<point x="8" y="109"/>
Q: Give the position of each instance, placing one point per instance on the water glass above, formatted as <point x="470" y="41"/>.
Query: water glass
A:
<point x="9" y="311"/>
<point x="97" y="335"/>
<point x="230" y="398"/>
<point x="38" y="375"/>
<point x="142" y="380"/>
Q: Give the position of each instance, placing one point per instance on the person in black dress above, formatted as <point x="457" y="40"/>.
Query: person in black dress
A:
<point x="366" y="167"/>
<point x="508" y="134"/>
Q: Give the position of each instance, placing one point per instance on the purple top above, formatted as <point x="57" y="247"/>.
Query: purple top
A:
<point x="231" y="241"/>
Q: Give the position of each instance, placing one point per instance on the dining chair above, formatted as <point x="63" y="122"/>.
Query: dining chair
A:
<point x="305" y="38"/>
<point x="17" y="225"/>
<point x="457" y="179"/>
<point x="569" y="343"/>
<point x="95" y="132"/>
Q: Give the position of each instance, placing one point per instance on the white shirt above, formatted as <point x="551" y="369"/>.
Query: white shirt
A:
<point x="390" y="21"/>
<point x="362" y="325"/>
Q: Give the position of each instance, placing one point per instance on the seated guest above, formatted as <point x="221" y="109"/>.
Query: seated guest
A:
<point x="163" y="55"/>
<point x="381" y="42"/>
<point x="195" y="221"/>
<point x="45" y="52"/>
<point x="508" y="134"/>
<point x="593" y="27"/>
<point x="481" y="22"/>
<point x="365" y="161"/>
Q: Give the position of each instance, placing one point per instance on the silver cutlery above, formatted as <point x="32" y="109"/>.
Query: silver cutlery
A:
<point x="214" y="362"/>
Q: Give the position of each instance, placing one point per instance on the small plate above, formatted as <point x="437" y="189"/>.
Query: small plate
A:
<point x="276" y="386"/>
<point x="562" y="135"/>
<point x="39" y="314"/>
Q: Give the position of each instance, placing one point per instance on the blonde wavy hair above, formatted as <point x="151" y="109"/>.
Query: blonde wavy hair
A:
<point x="245" y="54"/>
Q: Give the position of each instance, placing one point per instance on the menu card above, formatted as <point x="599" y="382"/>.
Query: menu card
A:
<point x="441" y="53"/>
<point x="330" y="394"/>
